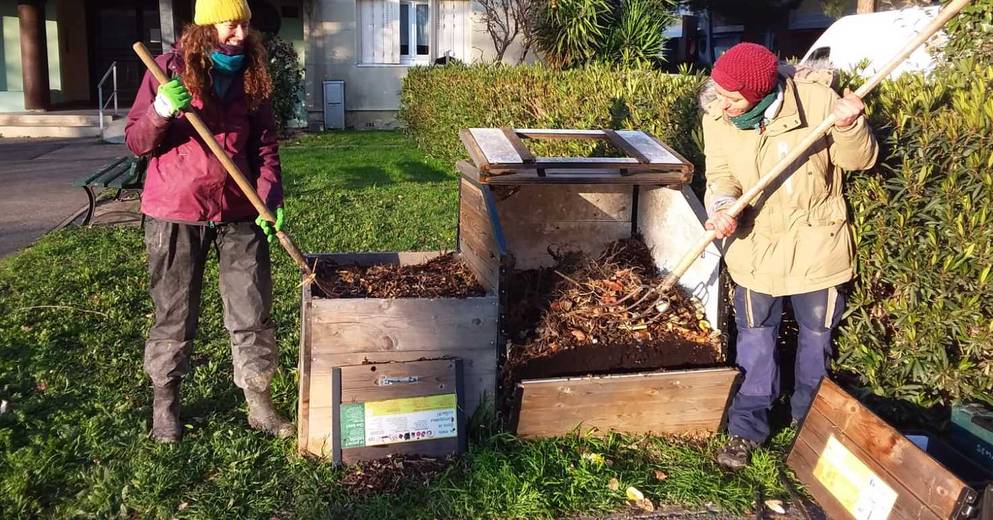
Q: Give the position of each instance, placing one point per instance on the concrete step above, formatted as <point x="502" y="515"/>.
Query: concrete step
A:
<point x="52" y="119"/>
<point x="48" y="131"/>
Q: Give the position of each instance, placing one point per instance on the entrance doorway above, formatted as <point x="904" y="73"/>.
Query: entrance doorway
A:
<point x="114" y="26"/>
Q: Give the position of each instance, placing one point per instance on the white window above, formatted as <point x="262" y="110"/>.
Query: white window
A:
<point x="415" y="33"/>
<point x="412" y="32"/>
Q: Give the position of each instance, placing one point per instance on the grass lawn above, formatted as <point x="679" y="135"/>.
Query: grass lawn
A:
<point x="74" y="309"/>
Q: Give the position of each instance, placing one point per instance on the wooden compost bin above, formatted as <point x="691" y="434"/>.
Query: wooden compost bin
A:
<point x="859" y="467"/>
<point x="349" y="332"/>
<point x="515" y="208"/>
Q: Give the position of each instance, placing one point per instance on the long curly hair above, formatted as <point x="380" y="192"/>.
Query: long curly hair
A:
<point x="198" y="41"/>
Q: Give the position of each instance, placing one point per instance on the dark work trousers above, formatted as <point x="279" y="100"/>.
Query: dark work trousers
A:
<point x="757" y="317"/>
<point x="176" y="257"/>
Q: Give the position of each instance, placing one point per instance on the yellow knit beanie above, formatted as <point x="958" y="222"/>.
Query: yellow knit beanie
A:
<point x="209" y="12"/>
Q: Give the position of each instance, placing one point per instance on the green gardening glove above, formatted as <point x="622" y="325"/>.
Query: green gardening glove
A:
<point x="172" y="98"/>
<point x="267" y="227"/>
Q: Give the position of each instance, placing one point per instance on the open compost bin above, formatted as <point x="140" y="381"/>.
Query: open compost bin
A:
<point x="374" y="338"/>
<point x="522" y="218"/>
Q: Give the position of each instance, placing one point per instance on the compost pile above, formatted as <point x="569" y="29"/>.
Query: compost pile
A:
<point x="389" y="474"/>
<point x="591" y="315"/>
<point x="446" y="276"/>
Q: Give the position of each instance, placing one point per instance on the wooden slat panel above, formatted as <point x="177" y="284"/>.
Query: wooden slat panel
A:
<point x="587" y="177"/>
<point x="649" y="147"/>
<point x="518" y="144"/>
<point x="496" y="148"/>
<point x="377" y="324"/>
<point x="553" y="133"/>
<point x="809" y="447"/>
<point x="479" y="378"/>
<point x="683" y="402"/>
<point x="475" y="152"/>
<point x="477" y="360"/>
<point x="624" y="146"/>
<point x="529" y="242"/>
<point x="363" y="383"/>
<point x="303" y="397"/>
<point x="573" y="203"/>
<point x="537" y="218"/>
<point x="477" y="241"/>
<point x="437" y="448"/>
<point x="377" y="258"/>
<point x="900" y="461"/>
<point x="479" y="381"/>
<point x="476" y="249"/>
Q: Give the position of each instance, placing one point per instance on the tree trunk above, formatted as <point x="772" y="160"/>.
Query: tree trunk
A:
<point x="866" y="6"/>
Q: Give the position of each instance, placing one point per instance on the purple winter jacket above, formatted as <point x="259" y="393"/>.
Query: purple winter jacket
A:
<point x="184" y="181"/>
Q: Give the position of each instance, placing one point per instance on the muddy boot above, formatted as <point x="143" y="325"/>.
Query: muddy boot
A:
<point x="736" y="453"/>
<point x="165" y="414"/>
<point x="263" y="417"/>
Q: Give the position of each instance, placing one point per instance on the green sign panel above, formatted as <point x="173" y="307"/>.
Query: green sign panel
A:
<point x="352" y="425"/>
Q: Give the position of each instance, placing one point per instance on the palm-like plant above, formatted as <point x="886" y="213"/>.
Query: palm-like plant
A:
<point x="637" y="38"/>
<point x="572" y="32"/>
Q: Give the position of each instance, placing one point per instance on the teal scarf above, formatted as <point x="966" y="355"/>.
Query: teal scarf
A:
<point x="756" y="116"/>
<point x="226" y="67"/>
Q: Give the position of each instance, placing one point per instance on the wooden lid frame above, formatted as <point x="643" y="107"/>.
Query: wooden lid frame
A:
<point x="501" y="156"/>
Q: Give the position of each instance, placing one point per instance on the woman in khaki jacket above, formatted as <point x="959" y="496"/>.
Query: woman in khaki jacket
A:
<point x="794" y="240"/>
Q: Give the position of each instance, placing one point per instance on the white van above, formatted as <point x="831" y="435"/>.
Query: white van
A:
<point x="877" y="37"/>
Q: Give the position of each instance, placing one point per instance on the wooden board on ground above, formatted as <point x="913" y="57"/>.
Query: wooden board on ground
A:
<point x="338" y="332"/>
<point x="684" y="402"/>
<point x="857" y="466"/>
<point x="411" y="407"/>
<point x="497" y="152"/>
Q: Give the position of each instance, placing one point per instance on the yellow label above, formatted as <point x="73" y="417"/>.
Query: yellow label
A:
<point x="410" y="405"/>
<point x="860" y="491"/>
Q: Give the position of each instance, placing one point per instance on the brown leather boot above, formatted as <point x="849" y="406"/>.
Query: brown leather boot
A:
<point x="262" y="415"/>
<point x="165" y="414"/>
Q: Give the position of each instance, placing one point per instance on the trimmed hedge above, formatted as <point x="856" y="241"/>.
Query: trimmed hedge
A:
<point x="919" y="326"/>
<point x="438" y="101"/>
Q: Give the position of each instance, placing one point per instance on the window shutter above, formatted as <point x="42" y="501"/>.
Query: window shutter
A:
<point x="380" y="25"/>
<point x="453" y="29"/>
<point x="391" y="34"/>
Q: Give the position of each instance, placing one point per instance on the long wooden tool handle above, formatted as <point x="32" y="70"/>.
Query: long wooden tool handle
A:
<point x="815" y="135"/>
<point x="229" y="165"/>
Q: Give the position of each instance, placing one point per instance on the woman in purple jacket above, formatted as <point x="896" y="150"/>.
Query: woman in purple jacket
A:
<point x="219" y="68"/>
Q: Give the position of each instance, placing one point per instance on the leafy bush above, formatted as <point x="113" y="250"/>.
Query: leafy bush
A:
<point x="970" y="34"/>
<point x="287" y="80"/>
<point x="438" y="101"/>
<point x="921" y="323"/>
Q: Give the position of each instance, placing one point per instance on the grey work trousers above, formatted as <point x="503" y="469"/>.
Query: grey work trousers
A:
<point x="177" y="254"/>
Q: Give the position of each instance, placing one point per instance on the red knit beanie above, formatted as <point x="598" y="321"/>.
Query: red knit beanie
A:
<point x="747" y="68"/>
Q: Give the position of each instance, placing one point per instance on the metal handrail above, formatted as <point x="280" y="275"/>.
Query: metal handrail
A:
<point x="111" y="72"/>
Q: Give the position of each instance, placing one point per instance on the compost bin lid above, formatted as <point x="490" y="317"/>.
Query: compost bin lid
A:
<point x="501" y="157"/>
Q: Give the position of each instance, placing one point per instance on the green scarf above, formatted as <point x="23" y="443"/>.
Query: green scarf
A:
<point x="754" y="117"/>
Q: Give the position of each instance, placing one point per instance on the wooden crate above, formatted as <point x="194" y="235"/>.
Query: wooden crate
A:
<point x="507" y="224"/>
<point x="340" y="332"/>
<point x="857" y="466"/>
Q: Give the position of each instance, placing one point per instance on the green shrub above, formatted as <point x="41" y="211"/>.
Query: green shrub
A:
<point x="438" y="101"/>
<point x="287" y="80"/>
<point x="920" y="327"/>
